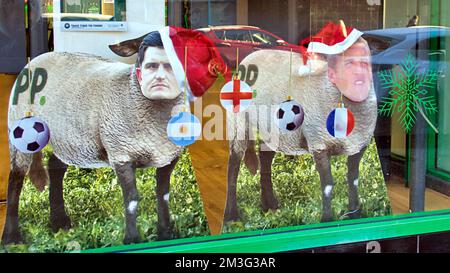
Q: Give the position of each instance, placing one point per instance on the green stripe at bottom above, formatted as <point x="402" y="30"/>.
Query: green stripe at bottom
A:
<point x="300" y="237"/>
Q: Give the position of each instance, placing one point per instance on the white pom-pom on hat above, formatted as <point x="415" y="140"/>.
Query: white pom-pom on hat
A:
<point x="313" y="67"/>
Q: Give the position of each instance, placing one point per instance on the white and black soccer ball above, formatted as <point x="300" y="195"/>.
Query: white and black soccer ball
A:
<point x="289" y="116"/>
<point x="29" y="135"/>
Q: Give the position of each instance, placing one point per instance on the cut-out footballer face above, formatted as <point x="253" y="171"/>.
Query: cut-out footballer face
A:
<point x="352" y="73"/>
<point x="156" y="77"/>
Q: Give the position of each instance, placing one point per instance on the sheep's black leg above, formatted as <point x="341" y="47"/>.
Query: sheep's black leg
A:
<point x="322" y="160"/>
<point x="58" y="216"/>
<point x="234" y="163"/>
<point x="162" y="196"/>
<point x="268" y="199"/>
<point x="11" y="232"/>
<point x="126" y="174"/>
<point x="352" y="180"/>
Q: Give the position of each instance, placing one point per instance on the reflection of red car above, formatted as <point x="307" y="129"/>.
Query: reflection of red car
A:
<point x="247" y="38"/>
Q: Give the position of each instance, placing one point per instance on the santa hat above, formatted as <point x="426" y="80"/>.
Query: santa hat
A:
<point x="332" y="39"/>
<point x="204" y="62"/>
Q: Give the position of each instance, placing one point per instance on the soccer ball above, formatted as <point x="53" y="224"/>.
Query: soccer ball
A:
<point x="29" y="135"/>
<point x="289" y="116"/>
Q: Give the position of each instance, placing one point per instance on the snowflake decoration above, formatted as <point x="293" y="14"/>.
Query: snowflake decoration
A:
<point x="408" y="93"/>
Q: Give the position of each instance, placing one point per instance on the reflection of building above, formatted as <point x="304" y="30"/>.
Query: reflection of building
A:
<point x="96" y="40"/>
<point x="104" y="7"/>
<point x="289" y="19"/>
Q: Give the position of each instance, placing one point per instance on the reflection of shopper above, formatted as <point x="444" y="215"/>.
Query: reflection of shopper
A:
<point x="413" y="22"/>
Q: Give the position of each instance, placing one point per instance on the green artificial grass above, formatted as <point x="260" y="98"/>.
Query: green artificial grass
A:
<point x="94" y="203"/>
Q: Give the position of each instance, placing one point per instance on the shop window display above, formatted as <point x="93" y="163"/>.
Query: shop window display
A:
<point x="236" y="117"/>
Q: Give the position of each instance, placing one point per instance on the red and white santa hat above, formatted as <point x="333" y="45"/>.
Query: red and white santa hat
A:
<point x="332" y="39"/>
<point x="204" y="62"/>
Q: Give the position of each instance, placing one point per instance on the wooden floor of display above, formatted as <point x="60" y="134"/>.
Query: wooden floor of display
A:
<point x="399" y="197"/>
<point x="210" y="161"/>
<point x="6" y="81"/>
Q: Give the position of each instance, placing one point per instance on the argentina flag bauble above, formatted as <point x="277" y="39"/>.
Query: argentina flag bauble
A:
<point x="340" y="122"/>
<point x="184" y="129"/>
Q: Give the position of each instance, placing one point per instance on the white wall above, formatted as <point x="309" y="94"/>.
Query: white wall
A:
<point x="143" y="16"/>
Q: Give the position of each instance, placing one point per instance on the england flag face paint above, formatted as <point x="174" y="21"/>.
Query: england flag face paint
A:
<point x="184" y="129"/>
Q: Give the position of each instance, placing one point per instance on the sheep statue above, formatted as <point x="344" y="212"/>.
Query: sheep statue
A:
<point x="318" y="97"/>
<point x="103" y="113"/>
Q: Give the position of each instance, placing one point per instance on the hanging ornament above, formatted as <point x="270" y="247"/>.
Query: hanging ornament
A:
<point x="289" y="115"/>
<point x="340" y="122"/>
<point x="29" y="135"/>
<point x="236" y="95"/>
<point x="185" y="128"/>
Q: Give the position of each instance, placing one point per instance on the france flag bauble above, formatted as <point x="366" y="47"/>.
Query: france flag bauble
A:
<point x="340" y="122"/>
<point x="184" y="129"/>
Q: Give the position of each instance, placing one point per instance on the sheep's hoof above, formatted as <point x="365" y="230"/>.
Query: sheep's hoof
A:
<point x="270" y="203"/>
<point x="164" y="235"/>
<point x="355" y="214"/>
<point x="327" y="218"/>
<point x="12" y="238"/>
<point x="290" y="157"/>
<point x="231" y="217"/>
<point x="132" y="239"/>
<point x="60" y="222"/>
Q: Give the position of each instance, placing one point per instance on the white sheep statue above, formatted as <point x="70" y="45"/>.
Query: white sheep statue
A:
<point x="318" y="97"/>
<point x="98" y="118"/>
<point x="103" y="113"/>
